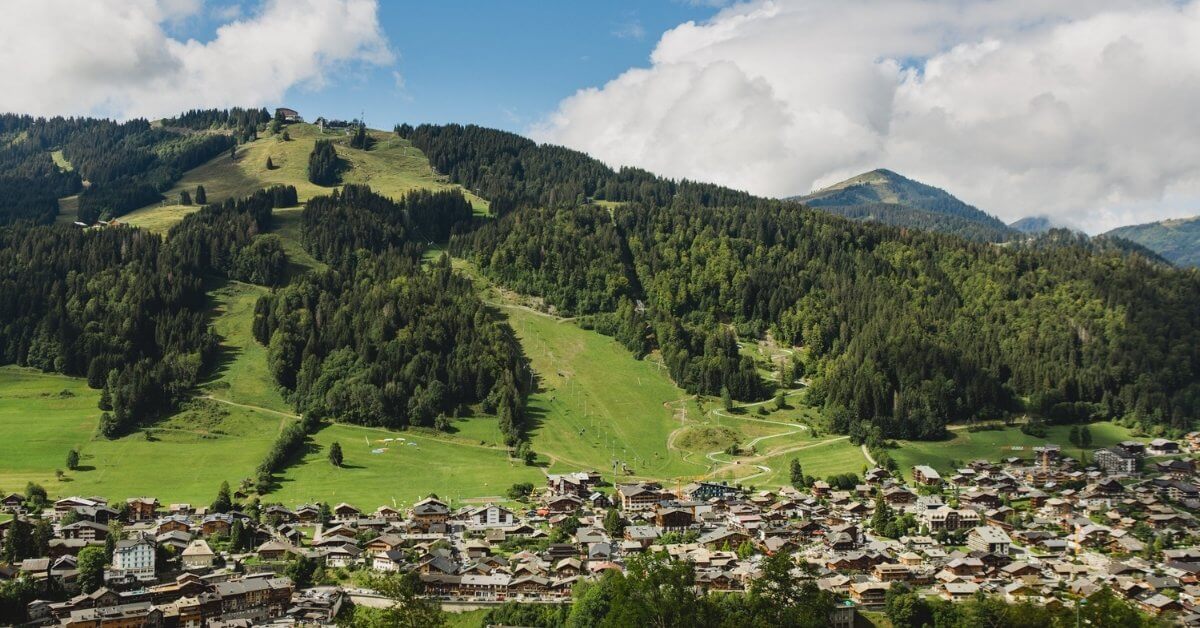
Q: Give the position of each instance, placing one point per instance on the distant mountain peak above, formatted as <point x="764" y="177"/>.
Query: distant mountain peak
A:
<point x="883" y="195"/>
<point x="1034" y="224"/>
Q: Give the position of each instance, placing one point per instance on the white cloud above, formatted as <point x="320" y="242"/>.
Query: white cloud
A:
<point x="113" y="57"/>
<point x="1083" y="110"/>
<point x="630" y="29"/>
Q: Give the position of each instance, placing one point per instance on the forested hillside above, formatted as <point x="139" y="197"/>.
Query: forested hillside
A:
<point x="902" y="330"/>
<point x="116" y="167"/>
<point x="379" y="340"/>
<point x="1176" y="240"/>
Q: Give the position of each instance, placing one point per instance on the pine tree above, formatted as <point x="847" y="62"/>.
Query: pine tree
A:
<point x="185" y="198"/>
<point x="270" y="166"/>
<point x="613" y="524"/>
<point x="797" y="473"/>
<point x="224" y="502"/>
<point x="238" y="541"/>
<point x="335" y="454"/>
<point x="73" y="459"/>
<point x="1085" y="437"/>
<point x="726" y="399"/>
<point x="201" y="196"/>
<point x="1073" y="435"/>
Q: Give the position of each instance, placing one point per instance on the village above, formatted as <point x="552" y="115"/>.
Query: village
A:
<point x="1043" y="529"/>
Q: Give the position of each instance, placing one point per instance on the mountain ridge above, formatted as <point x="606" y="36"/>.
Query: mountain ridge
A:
<point x="1175" y="239"/>
<point x="885" y="196"/>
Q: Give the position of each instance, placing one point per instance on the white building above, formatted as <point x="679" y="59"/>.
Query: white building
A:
<point x="198" y="555"/>
<point x="135" y="557"/>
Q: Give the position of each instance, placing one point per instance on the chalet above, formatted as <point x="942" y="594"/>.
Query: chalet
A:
<point x="562" y="504"/>
<point x="308" y="513"/>
<point x="1163" y="447"/>
<point x="13" y="502"/>
<point x="673" y="518"/>
<point x="342" y="555"/>
<point x="640" y="496"/>
<point x="389" y="561"/>
<point x="704" y="491"/>
<point x="255" y="598"/>
<point x="926" y="475"/>
<point x="279" y="514"/>
<point x="86" y="530"/>
<point x="889" y="572"/>
<point x="869" y="594"/>
<point x="1176" y="468"/>
<point x="174" y="523"/>
<point x="489" y="516"/>
<point x="346" y="512"/>
<point x="958" y="591"/>
<point x="980" y="500"/>
<point x="947" y="518"/>
<point x="216" y="524"/>
<point x="384" y="543"/>
<point x="70" y="504"/>
<point x="284" y="114"/>
<point x="274" y="550"/>
<point x="990" y="539"/>
<point x="430" y="511"/>
<point x="579" y="484"/>
<point x="142" y="508"/>
<point x="388" y="513"/>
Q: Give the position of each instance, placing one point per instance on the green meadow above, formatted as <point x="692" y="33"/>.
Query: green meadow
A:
<point x="392" y="166"/>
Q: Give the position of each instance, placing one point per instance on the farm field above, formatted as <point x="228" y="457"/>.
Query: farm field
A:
<point x="391" y="167"/>
<point x="41" y="424"/>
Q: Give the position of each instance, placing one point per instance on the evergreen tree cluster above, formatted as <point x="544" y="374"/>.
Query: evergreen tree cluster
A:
<point x="323" y="164"/>
<point x="355" y="218"/>
<point x="378" y="340"/>
<point x="115" y="305"/>
<point x="245" y="123"/>
<point x="228" y="238"/>
<point x="512" y="171"/>
<point x="902" y="329"/>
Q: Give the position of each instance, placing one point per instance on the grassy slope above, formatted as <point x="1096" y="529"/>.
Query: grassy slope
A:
<point x="187" y="461"/>
<point x="392" y="167"/>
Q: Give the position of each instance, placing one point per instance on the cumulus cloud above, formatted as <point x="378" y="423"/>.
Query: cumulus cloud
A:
<point x="1083" y="110"/>
<point x="114" y="57"/>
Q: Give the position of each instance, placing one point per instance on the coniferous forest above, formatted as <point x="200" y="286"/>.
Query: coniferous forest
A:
<point x="904" y="330"/>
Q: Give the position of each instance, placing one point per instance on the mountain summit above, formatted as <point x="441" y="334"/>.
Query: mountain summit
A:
<point x="888" y="197"/>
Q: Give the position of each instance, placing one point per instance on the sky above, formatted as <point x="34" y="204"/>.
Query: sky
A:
<point x="1080" y="110"/>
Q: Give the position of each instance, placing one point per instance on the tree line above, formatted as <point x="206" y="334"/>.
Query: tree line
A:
<point x="244" y="122"/>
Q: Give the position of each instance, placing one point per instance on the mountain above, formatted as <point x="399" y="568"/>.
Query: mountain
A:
<point x="1033" y="224"/>
<point x="890" y="198"/>
<point x="1177" y="240"/>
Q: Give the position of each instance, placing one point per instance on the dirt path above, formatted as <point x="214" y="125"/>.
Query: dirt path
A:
<point x="250" y="407"/>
